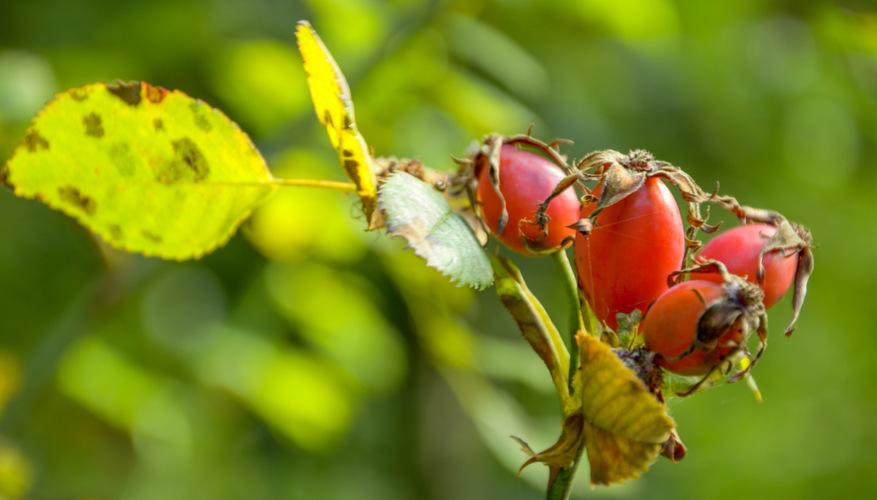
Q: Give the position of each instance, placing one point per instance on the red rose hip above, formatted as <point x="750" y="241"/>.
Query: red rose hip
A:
<point x="633" y="246"/>
<point x="740" y="249"/>
<point x="525" y="180"/>
<point x="697" y="325"/>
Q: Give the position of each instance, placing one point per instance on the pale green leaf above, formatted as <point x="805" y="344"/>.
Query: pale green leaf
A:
<point x="148" y="170"/>
<point x="418" y="212"/>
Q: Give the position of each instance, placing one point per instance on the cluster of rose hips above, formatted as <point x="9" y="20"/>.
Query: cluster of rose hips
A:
<point x="633" y="252"/>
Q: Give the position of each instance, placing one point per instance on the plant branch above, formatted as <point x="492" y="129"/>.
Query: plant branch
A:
<point x="561" y="486"/>
<point x="576" y="323"/>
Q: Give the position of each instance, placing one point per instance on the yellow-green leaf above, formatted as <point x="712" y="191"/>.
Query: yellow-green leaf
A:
<point x="625" y="425"/>
<point x="148" y="170"/>
<point x="334" y="107"/>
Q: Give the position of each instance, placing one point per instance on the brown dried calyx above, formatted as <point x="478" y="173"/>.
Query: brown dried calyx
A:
<point x="622" y="175"/>
<point x="487" y="155"/>
<point x="789" y="239"/>
<point x="742" y="306"/>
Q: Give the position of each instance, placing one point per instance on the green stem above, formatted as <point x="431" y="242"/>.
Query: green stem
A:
<point x="576" y="323"/>
<point x="561" y="487"/>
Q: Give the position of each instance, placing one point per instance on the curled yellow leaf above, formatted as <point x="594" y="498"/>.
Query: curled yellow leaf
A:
<point x="334" y="106"/>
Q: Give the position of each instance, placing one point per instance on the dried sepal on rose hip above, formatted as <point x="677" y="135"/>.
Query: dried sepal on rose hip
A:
<point x="771" y="255"/>
<point x="527" y="200"/>
<point x="630" y="235"/>
<point x="638" y="166"/>
<point x="699" y="327"/>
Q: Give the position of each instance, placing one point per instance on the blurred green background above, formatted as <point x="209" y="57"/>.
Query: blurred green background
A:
<point x="309" y="359"/>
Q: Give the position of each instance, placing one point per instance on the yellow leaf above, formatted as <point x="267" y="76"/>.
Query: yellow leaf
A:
<point x="334" y="106"/>
<point x="615" y="458"/>
<point x="625" y="425"/>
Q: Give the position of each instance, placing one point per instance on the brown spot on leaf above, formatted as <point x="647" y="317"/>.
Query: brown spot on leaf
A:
<point x="75" y="197"/>
<point x="151" y="236"/>
<point x="187" y="151"/>
<point x="171" y="172"/>
<point x="115" y="232"/>
<point x="93" y="125"/>
<point x="200" y="121"/>
<point x="158" y="124"/>
<point x="155" y="94"/>
<point x="35" y="142"/>
<point x="128" y="92"/>
<point x="347" y="123"/>
<point x="4" y="177"/>
<point x="351" y="165"/>
<point x="79" y="94"/>
<point x="347" y="153"/>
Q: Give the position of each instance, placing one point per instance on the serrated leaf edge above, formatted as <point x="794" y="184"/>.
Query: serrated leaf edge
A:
<point x="418" y="252"/>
